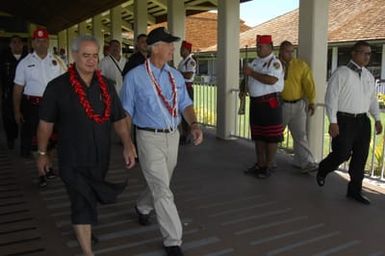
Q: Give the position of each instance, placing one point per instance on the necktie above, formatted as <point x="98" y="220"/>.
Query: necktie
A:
<point x="359" y="71"/>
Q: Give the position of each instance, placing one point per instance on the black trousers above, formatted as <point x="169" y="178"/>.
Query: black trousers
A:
<point x="29" y="127"/>
<point x="352" y="142"/>
<point x="10" y="126"/>
<point x="185" y="125"/>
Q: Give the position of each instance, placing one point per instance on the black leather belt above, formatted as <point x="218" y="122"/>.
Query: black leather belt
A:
<point x="351" y="115"/>
<point x="153" y="130"/>
<point x="291" y="101"/>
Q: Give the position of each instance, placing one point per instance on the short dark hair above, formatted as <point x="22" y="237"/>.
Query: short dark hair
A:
<point x="140" y="36"/>
<point x="16" y="36"/>
<point x="360" y="44"/>
<point x="115" y="41"/>
<point x="285" y="44"/>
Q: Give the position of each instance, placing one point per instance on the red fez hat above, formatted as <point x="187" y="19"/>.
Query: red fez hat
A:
<point x="187" y="45"/>
<point x="40" y="33"/>
<point x="264" y="39"/>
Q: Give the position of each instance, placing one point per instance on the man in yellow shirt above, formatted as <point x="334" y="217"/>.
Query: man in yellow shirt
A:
<point x="298" y="98"/>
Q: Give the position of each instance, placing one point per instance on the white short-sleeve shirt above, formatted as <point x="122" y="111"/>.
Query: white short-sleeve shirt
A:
<point x="188" y="65"/>
<point x="35" y="73"/>
<point x="271" y="66"/>
<point x="109" y="67"/>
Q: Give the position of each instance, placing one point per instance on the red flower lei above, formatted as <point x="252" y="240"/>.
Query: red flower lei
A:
<point x="171" y="109"/>
<point x="79" y="90"/>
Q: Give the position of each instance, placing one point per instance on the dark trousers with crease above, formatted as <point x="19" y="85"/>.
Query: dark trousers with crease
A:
<point x="352" y="142"/>
<point x="10" y="126"/>
<point x="29" y="126"/>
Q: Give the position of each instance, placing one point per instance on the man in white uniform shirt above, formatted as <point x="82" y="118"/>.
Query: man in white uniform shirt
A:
<point x="187" y="66"/>
<point x="265" y="84"/>
<point x="349" y="97"/>
<point x="32" y="76"/>
<point x="112" y="65"/>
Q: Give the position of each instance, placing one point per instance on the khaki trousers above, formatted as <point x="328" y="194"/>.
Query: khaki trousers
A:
<point x="294" y="116"/>
<point x="158" y="153"/>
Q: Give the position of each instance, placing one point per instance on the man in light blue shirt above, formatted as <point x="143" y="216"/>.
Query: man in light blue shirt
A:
<point x="154" y="96"/>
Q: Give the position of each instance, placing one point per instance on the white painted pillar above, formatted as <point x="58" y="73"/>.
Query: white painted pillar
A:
<point x="227" y="66"/>
<point x="98" y="33"/>
<point x="140" y="17"/>
<point x="176" y="24"/>
<point x="82" y="28"/>
<point x="383" y="63"/>
<point x="71" y="34"/>
<point x="313" y="34"/>
<point x="116" y="23"/>
<point x="62" y="40"/>
<point x="334" y="59"/>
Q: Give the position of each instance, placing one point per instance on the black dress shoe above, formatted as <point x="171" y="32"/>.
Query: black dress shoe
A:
<point x="320" y="180"/>
<point x="359" y="198"/>
<point x="42" y="182"/>
<point x="143" y="219"/>
<point x="51" y="174"/>
<point x="173" y="250"/>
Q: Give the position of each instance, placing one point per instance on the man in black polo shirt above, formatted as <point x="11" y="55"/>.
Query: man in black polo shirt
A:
<point x="139" y="56"/>
<point x="84" y="105"/>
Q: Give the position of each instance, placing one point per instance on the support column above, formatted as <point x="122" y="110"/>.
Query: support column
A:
<point x="82" y="28"/>
<point x="140" y="17"/>
<point x="334" y="59"/>
<point x="62" y="39"/>
<point x="227" y="66"/>
<point x="98" y="33"/>
<point x="176" y="24"/>
<point x="383" y="63"/>
<point x="313" y="34"/>
<point x="71" y="34"/>
<point x="116" y="23"/>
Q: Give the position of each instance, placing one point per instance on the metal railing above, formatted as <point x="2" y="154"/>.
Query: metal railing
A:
<point x="205" y="103"/>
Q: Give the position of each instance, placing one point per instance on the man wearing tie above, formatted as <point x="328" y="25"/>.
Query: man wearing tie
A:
<point x="349" y="97"/>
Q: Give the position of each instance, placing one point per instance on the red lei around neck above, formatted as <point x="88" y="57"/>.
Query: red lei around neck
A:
<point x="79" y="90"/>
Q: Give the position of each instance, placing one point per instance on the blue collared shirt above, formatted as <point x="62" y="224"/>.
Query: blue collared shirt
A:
<point x="140" y="100"/>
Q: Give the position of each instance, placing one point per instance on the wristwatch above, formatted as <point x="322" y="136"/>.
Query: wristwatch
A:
<point x="41" y="153"/>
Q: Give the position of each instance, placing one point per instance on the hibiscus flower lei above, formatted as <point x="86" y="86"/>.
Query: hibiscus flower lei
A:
<point x="79" y="90"/>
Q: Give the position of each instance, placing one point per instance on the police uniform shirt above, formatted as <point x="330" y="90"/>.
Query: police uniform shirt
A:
<point x="188" y="65"/>
<point x="34" y="73"/>
<point x="271" y="66"/>
<point x="113" y="69"/>
<point x="351" y="92"/>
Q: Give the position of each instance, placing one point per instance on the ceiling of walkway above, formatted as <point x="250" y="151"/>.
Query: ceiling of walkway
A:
<point x="59" y="15"/>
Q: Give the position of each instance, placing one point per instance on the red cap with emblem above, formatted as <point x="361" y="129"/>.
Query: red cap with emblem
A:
<point x="264" y="39"/>
<point x="40" y="33"/>
<point x="187" y="45"/>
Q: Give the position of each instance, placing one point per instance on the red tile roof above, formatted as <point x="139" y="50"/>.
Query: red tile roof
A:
<point x="349" y="20"/>
<point x="201" y="29"/>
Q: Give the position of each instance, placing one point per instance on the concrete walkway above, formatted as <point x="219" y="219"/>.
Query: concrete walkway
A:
<point x="224" y="212"/>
